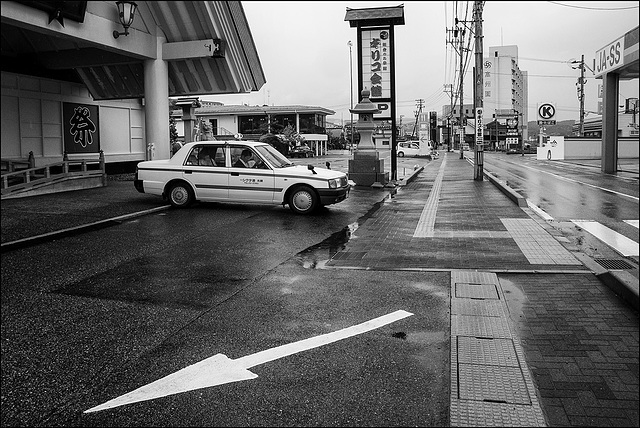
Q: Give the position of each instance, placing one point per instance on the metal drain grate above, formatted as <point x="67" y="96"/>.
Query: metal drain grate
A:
<point x="613" y="264"/>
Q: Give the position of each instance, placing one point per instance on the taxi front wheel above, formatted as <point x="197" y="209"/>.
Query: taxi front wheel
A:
<point x="303" y="200"/>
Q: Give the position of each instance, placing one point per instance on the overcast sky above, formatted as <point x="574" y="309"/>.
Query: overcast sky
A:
<point x="303" y="50"/>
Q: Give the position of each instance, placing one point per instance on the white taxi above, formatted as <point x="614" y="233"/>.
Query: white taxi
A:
<point x="240" y="172"/>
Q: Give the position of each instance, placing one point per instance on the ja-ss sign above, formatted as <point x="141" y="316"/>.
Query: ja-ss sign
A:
<point x="610" y="57"/>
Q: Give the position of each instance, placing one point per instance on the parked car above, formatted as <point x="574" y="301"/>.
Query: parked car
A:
<point x="416" y="148"/>
<point x="408" y="148"/>
<point x="301" y="151"/>
<point x="210" y="171"/>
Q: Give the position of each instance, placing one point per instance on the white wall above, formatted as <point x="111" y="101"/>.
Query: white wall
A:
<point x="32" y="120"/>
<point x="591" y="148"/>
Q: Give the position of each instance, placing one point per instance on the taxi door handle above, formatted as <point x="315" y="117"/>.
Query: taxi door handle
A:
<point x="188" y="172"/>
<point x="235" y="174"/>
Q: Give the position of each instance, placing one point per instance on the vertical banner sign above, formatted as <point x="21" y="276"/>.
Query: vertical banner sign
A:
<point x="479" y="128"/>
<point x="80" y="128"/>
<point x="376" y="66"/>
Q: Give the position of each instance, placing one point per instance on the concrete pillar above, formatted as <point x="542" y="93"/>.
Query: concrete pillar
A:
<point x="609" y="160"/>
<point x="156" y="107"/>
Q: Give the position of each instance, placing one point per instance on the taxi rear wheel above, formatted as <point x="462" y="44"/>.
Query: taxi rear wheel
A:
<point x="303" y="200"/>
<point x="401" y="154"/>
<point x="180" y="195"/>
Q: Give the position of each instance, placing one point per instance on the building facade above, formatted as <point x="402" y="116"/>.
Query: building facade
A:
<point x="226" y="121"/>
<point x="627" y="126"/>
<point x="505" y="88"/>
<point x="74" y="83"/>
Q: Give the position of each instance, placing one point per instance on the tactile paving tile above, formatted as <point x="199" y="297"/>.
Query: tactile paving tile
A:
<point x="466" y="413"/>
<point x="494" y="352"/>
<point x="486" y="308"/>
<point x="492" y="383"/>
<point x="472" y="277"/>
<point x="538" y="246"/>
<point x="464" y="325"/>
<point x="476" y="291"/>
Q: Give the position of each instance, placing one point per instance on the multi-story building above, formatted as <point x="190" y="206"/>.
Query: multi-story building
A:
<point x="505" y="88"/>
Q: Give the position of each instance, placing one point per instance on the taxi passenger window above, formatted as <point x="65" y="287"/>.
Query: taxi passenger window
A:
<point x="209" y="156"/>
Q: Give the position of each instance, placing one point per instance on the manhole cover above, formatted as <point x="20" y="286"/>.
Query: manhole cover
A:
<point x="613" y="264"/>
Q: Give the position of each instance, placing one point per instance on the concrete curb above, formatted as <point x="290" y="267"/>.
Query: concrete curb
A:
<point x="33" y="240"/>
<point x="511" y="194"/>
<point x="620" y="282"/>
<point x="412" y="177"/>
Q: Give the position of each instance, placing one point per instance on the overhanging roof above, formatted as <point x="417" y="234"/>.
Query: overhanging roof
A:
<point x="111" y="68"/>
<point x="393" y="15"/>
<point x="223" y="110"/>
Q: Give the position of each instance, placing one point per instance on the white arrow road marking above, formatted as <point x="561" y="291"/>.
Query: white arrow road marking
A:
<point x="219" y="369"/>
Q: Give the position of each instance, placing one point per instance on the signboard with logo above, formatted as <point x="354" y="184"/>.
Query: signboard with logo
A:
<point x="81" y="131"/>
<point x="546" y="114"/>
<point x="610" y="57"/>
<point x="376" y="62"/>
<point x="512" y="126"/>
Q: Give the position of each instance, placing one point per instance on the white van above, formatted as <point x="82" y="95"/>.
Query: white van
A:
<point x="414" y="148"/>
<point x="408" y="148"/>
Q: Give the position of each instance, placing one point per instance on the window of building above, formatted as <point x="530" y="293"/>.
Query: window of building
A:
<point x="256" y="124"/>
<point x="281" y="121"/>
<point x="214" y="126"/>
<point x="312" y="124"/>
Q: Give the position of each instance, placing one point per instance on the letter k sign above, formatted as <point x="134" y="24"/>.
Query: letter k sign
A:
<point x="546" y="111"/>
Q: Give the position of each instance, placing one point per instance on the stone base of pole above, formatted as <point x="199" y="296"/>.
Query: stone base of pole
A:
<point x="366" y="169"/>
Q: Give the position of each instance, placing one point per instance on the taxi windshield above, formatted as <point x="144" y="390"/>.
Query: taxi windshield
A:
<point x="274" y="157"/>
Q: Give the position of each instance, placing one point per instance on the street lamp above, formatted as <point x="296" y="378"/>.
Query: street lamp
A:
<point x="126" y="13"/>
<point x="351" y="90"/>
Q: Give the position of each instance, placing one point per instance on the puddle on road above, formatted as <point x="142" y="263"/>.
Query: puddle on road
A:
<point x="317" y="256"/>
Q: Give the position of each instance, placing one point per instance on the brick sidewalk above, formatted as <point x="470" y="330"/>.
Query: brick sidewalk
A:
<point x="578" y="339"/>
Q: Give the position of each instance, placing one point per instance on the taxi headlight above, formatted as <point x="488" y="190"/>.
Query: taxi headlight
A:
<point x="333" y="184"/>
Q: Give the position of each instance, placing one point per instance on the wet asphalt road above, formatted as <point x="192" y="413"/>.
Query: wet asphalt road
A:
<point x="90" y="317"/>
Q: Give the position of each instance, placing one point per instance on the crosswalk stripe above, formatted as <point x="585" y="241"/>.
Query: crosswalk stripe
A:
<point x="617" y="241"/>
<point x="633" y="223"/>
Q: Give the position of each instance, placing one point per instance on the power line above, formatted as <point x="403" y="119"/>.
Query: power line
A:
<point x="544" y="60"/>
<point x="594" y="8"/>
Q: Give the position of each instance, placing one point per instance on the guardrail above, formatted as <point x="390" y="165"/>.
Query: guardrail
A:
<point x="30" y="177"/>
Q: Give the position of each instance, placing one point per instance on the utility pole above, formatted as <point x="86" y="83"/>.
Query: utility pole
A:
<point x="478" y="172"/>
<point x="448" y="88"/>
<point x="419" y="104"/>
<point x="462" y="124"/>
<point x="580" y="88"/>
<point x="581" y="96"/>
